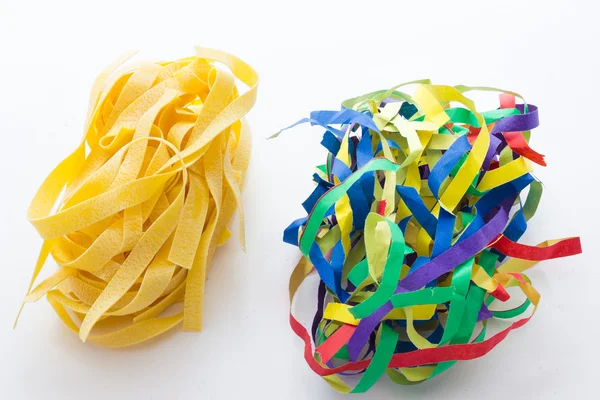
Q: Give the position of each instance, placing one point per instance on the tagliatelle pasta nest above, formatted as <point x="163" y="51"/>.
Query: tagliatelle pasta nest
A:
<point x="146" y="197"/>
<point x="413" y="229"/>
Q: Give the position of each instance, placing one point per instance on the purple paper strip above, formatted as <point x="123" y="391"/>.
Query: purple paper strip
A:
<point x="458" y="254"/>
<point x="363" y="330"/>
<point x="431" y="270"/>
<point x="484" y="313"/>
<point x="519" y="122"/>
<point x="322" y="292"/>
<point x="494" y="149"/>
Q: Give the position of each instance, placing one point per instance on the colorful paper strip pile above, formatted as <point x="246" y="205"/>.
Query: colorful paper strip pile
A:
<point x="413" y="228"/>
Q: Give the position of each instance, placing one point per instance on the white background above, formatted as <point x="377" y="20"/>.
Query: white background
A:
<point x="311" y="55"/>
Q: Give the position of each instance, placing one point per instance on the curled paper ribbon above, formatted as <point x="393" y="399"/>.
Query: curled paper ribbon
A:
<point x="420" y="201"/>
<point x="147" y="196"/>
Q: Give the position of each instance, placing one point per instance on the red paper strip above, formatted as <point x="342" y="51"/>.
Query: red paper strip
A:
<point x="519" y="145"/>
<point x="516" y="142"/>
<point x="500" y="293"/>
<point x="518" y="277"/>
<point x="329" y="347"/>
<point x="457" y="352"/>
<point x="473" y="133"/>
<point x="381" y="207"/>
<point x="314" y="364"/>
<point x="564" y="248"/>
<point x="507" y="100"/>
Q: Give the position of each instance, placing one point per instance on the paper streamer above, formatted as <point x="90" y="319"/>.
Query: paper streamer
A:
<point x="413" y="228"/>
<point x="134" y="215"/>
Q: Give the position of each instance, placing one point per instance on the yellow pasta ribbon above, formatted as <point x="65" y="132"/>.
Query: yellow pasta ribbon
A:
<point x="146" y="196"/>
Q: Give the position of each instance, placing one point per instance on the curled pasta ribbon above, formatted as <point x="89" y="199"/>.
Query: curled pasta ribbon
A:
<point x="146" y="197"/>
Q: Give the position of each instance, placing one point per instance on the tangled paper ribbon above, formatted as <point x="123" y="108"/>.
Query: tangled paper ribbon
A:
<point x="147" y="196"/>
<point x="406" y="228"/>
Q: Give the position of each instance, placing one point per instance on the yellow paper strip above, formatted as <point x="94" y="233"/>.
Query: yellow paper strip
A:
<point x="341" y="313"/>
